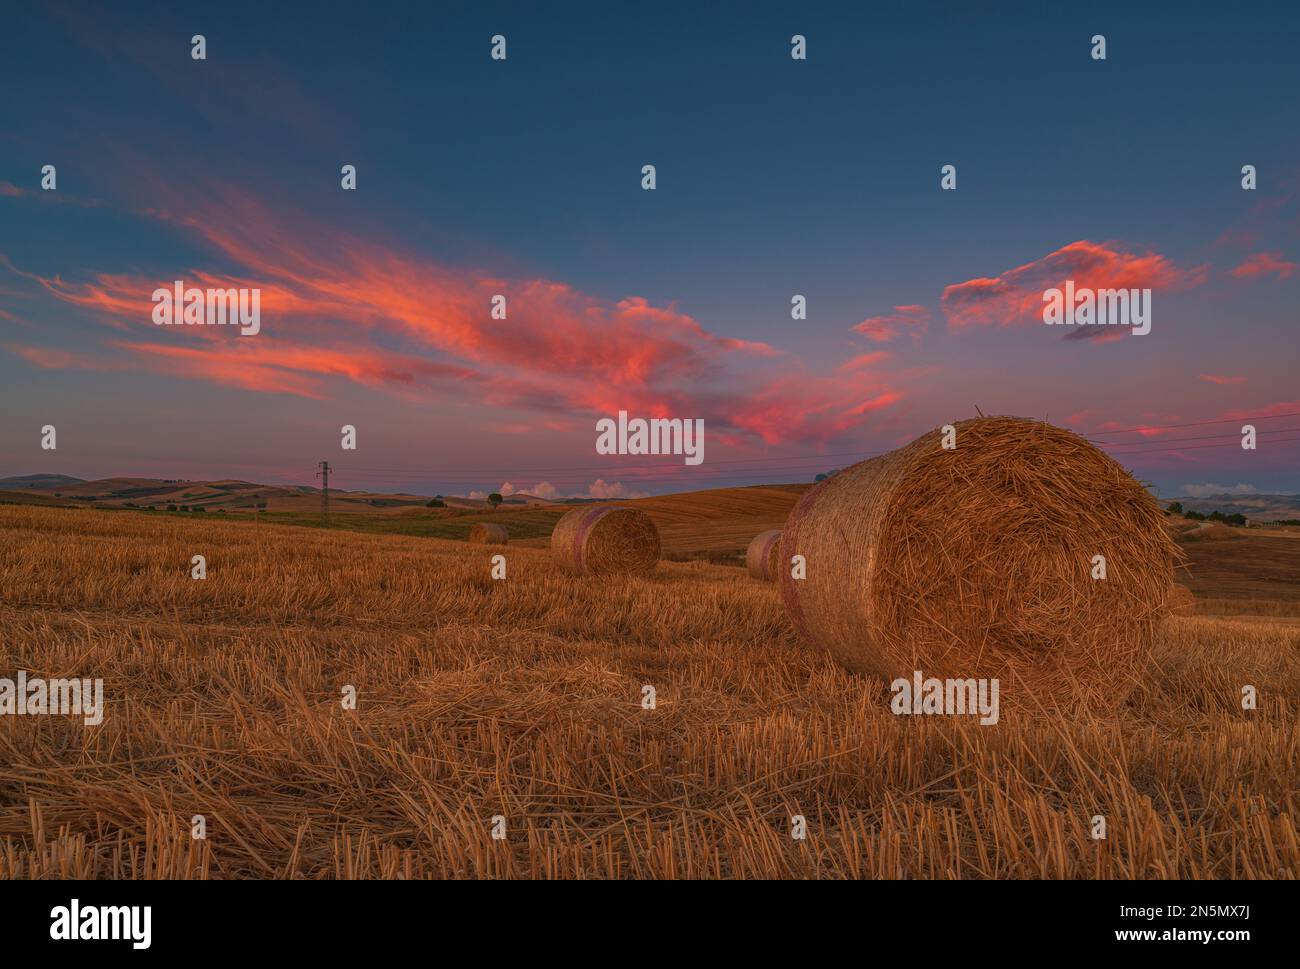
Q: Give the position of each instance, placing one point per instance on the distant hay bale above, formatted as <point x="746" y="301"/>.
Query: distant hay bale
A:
<point x="481" y="534"/>
<point x="764" y="555"/>
<point x="1210" y="532"/>
<point x="606" y="540"/>
<point x="1181" y="601"/>
<point x="977" y="562"/>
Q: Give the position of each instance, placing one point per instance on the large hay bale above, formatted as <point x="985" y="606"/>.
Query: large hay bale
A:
<point x="482" y="534"/>
<point x="763" y="556"/>
<point x="976" y="562"/>
<point x="606" y="540"/>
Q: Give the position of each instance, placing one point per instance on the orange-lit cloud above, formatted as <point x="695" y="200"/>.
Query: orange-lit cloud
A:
<point x="338" y="307"/>
<point x="1261" y="264"/>
<point x="12" y="191"/>
<point x="865" y="360"/>
<point x="1015" y="297"/>
<point x="52" y="358"/>
<point x="1157" y="425"/>
<point x="905" y="319"/>
<point x="1282" y="407"/>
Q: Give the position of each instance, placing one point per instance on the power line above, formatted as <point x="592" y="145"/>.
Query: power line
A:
<point x="1202" y="437"/>
<point x="1197" y="447"/>
<point x="820" y="458"/>
<point x="597" y="467"/>
<point x="646" y="475"/>
<point x="779" y="467"/>
<point x="775" y="476"/>
<point x="452" y="473"/>
<point x="1226" y="420"/>
<point x="661" y="472"/>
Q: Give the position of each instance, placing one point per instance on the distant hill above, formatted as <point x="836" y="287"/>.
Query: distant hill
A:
<point x="1255" y="507"/>
<point x="38" y="481"/>
<point x="229" y="494"/>
<point x="524" y="498"/>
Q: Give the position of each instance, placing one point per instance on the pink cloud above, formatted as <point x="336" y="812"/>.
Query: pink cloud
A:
<point x="1216" y="379"/>
<point x="911" y="319"/>
<point x="1015" y="297"/>
<point x="1269" y="410"/>
<point x="340" y="307"/>
<point x="1142" y="430"/>
<point x="50" y="358"/>
<point x="1261" y="264"/>
<point x="865" y="360"/>
<point x="12" y="191"/>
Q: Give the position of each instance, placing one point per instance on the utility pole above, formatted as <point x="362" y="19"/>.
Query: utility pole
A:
<point x="324" y="475"/>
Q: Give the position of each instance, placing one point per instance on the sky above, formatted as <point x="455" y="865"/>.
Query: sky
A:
<point x="523" y="177"/>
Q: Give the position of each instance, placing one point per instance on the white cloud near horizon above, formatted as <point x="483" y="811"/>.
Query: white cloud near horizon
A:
<point x="1209" y="490"/>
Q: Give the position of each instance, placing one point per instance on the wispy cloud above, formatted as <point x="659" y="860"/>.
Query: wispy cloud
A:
<point x="336" y="307"/>
<point x="1261" y="264"/>
<point x="1015" y="297"/>
<point x="910" y="319"/>
<point x="1209" y="490"/>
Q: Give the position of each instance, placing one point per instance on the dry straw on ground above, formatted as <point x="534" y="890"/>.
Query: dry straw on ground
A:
<point x="606" y="540"/>
<point x="1181" y="601"/>
<point x="764" y="555"/>
<point x="523" y="698"/>
<point x="977" y="562"/>
<point x="483" y="534"/>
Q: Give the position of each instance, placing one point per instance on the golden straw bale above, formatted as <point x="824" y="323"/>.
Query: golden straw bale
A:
<point x="603" y="540"/>
<point x="764" y="555"/>
<point x="482" y="534"/>
<point x="977" y="562"/>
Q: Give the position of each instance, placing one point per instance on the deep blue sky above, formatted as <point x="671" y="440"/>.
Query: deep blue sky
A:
<point x="775" y="177"/>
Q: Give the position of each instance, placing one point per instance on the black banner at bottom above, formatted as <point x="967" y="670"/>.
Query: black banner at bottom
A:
<point x="335" y="919"/>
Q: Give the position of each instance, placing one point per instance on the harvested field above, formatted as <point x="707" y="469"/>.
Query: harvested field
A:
<point x="522" y="698"/>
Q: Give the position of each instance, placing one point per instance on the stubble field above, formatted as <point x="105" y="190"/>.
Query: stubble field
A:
<point x="520" y="700"/>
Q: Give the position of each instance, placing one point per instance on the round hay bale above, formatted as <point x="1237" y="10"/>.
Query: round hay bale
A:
<point x="763" y="556"/>
<point x="1210" y="532"/>
<point x="1181" y="600"/>
<point x="977" y="562"/>
<point x="606" y="540"/>
<point x="481" y="534"/>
